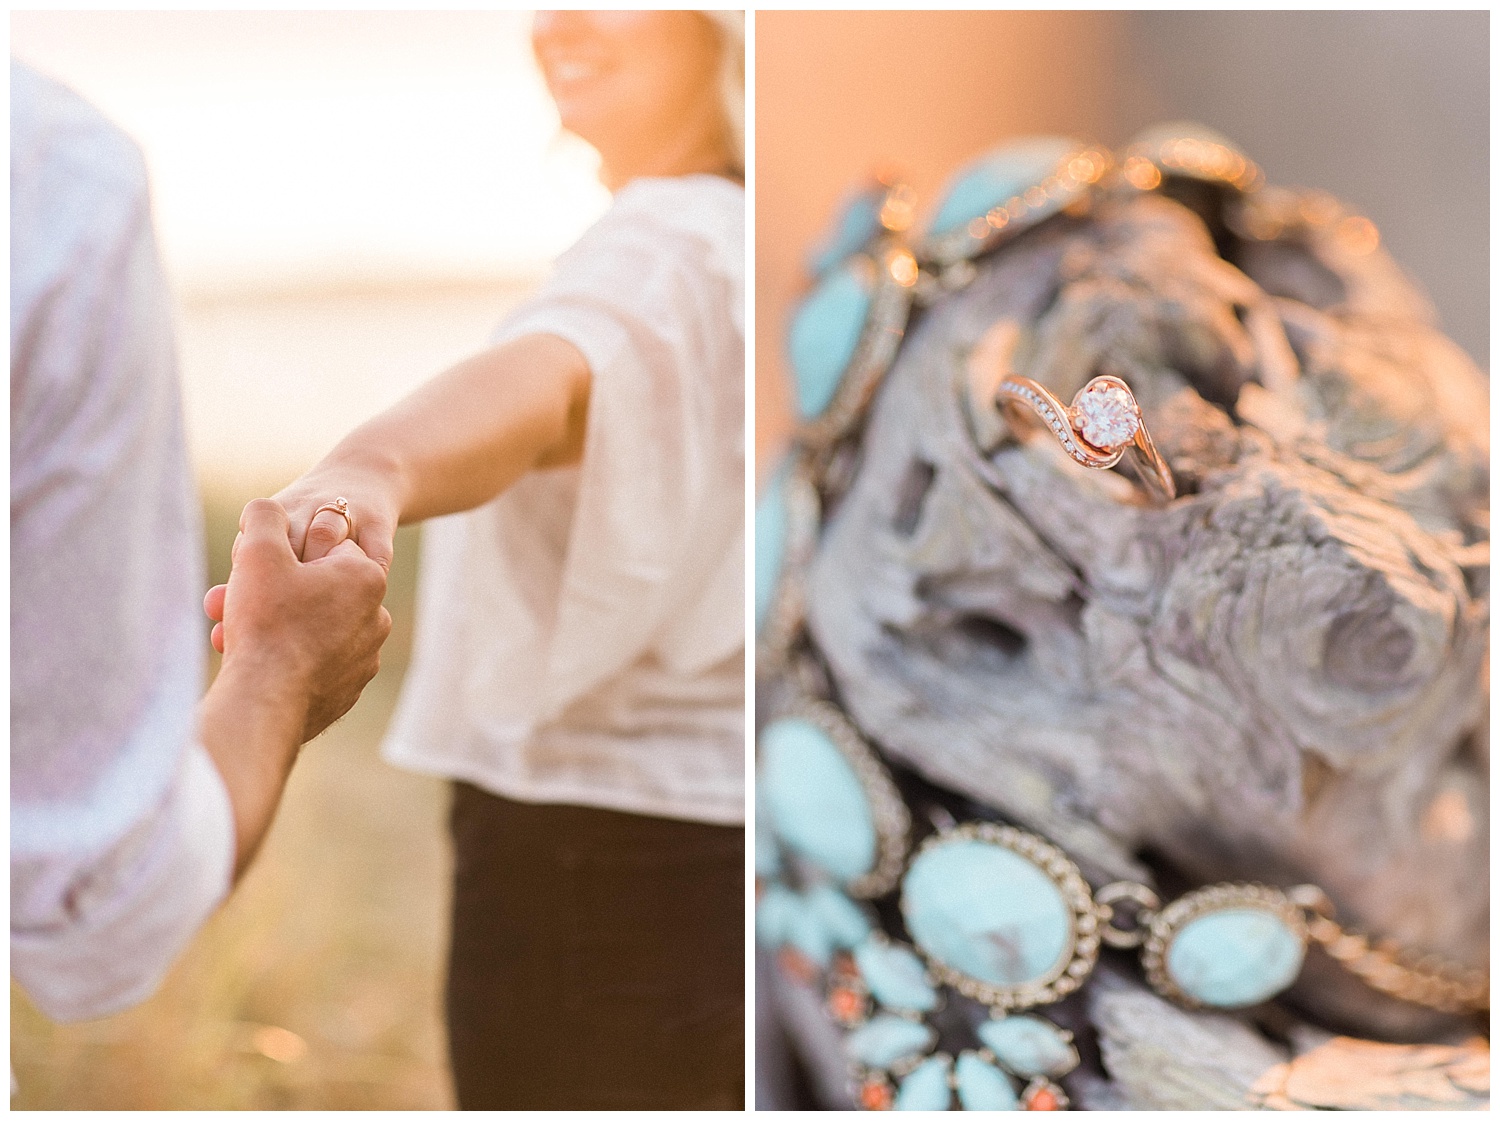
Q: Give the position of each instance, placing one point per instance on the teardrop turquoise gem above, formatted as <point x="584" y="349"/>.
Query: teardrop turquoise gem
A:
<point x="856" y="223"/>
<point x="886" y="1039"/>
<point x="825" y="333"/>
<point x="806" y="930"/>
<point x="1235" y="957"/>
<point x="982" y="1086"/>
<point x="772" y="522"/>
<point x="926" y="1087"/>
<point x="814" y="799"/>
<point x="997" y="178"/>
<point x="895" y="976"/>
<point x="773" y="915"/>
<point x="847" y="925"/>
<point x="986" y="911"/>
<point x="1029" y="1046"/>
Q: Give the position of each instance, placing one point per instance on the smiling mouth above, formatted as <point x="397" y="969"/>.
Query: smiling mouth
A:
<point x="573" y="70"/>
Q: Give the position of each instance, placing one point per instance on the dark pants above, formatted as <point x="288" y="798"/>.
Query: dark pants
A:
<point x="597" y="959"/>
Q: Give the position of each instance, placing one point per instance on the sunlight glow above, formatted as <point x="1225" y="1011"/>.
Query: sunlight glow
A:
<point x="332" y="149"/>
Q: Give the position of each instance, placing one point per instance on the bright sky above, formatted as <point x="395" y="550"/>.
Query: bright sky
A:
<point x="331" y="148"/>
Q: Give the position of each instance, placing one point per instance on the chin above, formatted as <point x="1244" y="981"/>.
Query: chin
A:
<point x="583" y="119"/>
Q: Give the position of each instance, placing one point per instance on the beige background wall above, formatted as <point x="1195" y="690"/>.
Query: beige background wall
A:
<point x="1388" y="110"/>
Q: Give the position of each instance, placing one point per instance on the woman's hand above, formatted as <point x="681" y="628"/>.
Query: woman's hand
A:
<point x="374" y="504"/>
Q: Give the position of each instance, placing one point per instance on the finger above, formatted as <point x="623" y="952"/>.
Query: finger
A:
<point x="263" y="525"/>
<point x="378" y="545"/>
<point x="370" y="579"/>
<point x="348" y="549"/>
<point x="213" y="602"/>
<point x="216" y="636"/>
<point x="297" y="535"/>
<point x="234" y="550"/>
<point x="326" y="531"/>
<point x="297" y="527"/>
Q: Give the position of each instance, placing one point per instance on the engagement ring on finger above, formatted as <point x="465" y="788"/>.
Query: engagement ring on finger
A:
<point x="339" y="506"/>
<point x="1102" y="424"/>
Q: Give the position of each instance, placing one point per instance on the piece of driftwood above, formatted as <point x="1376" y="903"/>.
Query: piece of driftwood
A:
<point x="1159" y="1057"/>
<point x="1279" y="678"/>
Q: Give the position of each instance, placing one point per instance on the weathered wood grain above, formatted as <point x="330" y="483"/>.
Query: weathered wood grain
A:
<point x="1279" y="677"/>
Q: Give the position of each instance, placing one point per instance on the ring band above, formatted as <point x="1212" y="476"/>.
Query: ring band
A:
<point x="1102" y="424"/>
<point x="339" y="506"/>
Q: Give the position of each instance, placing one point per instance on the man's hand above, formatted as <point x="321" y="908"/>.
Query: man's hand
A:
<point x="300" y="642"/>
<point x="315" y="628"/>
<point x="373" y="504"/>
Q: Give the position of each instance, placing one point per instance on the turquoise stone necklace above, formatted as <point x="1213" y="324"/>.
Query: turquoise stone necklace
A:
<point x="1005" y="919"/>
<point x="1000" y="917"/>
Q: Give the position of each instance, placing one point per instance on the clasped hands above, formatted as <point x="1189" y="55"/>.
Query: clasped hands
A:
<point x="303" y="605"/>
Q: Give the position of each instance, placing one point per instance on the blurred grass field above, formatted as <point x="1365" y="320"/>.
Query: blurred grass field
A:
<point x="319" y="984"/>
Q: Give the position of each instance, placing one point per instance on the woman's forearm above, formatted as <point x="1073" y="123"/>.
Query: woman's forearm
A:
<point x="468" y="434"/>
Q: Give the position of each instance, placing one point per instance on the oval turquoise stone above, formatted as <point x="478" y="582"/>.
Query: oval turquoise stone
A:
<point x="773" y="915"/>
<point x="879" y="1042"/>
<point x="997" y="178"/>
<point x="895" y="976"/>
<point x="772" y="522"/>
<point x="987" y="912"/>
<point x="926" y="1087"/>
<point x="1029" y="1046"/>
<point x="846" y="924"/>
<point x="814" y="800"/>
<point x="857" y="221"/>
<point x="825" y="333"/>
<point x="1234" y="957"/>
<point x="982" y="1086"/>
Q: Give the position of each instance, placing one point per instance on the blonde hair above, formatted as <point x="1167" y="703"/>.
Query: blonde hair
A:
<point x="731" y="28"/>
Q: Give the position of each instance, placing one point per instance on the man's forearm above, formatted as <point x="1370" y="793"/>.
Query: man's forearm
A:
<point x="251" y="723"/>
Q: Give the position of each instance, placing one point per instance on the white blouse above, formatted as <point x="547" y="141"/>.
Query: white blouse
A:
<point x="581" y="639"/>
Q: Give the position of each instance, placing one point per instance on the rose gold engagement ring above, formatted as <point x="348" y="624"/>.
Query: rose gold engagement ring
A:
<point x="1102" y="424"/>
<point x="339" y="506"/>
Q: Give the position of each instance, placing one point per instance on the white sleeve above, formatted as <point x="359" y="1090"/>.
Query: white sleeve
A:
<point x="122" y="835"/>
<point x="133" y="908"/>
<point x="651" y="297"/>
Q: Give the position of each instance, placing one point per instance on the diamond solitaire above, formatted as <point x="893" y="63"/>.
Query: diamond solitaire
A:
<point x="1105" y="415"/>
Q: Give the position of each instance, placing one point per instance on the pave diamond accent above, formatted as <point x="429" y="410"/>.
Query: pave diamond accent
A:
<point x="1053" y="419"/>
<point x="1105" y="415"/>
